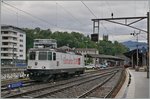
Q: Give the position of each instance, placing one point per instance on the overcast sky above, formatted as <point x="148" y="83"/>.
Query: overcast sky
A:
<point x="74" y="16"/>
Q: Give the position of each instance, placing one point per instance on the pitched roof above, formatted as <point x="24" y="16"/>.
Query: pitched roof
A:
<point x="86" y="49"/>
<point x="105" y="56"/>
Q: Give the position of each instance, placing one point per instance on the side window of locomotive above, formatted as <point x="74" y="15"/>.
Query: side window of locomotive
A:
<point x="49" y="55"/>
<point x="54" y="56"/>
<point x="32" y="55"/>
<point x="42" y="55"/>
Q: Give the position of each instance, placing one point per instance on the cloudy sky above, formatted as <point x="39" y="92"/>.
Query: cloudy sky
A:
<point x="75" y="16"/>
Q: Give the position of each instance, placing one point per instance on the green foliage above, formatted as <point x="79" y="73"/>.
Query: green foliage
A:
<point x="109" y="48"/>
<point x="74" y="40"/>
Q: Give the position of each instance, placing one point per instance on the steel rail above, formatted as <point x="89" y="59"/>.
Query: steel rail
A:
<point x="97" y="86"/>
<point x="25" y="93"/>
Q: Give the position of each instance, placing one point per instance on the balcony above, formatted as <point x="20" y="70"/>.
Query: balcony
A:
<point x="9" y="40"/>
<point x="10" y="30"/>
<point x="8" y="51"/>
<point x="10" y="35"/>
<point x="6" y="57"/>
<point x="8" y="46"/>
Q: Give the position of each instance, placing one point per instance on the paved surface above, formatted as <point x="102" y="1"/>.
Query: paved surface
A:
<point x="138" y="87"/>
<point x="141" y="84"/>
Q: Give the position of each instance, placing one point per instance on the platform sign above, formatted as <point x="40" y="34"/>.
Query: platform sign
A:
<point x="15" y="85"/>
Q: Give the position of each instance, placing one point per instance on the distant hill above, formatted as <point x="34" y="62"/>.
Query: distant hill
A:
<point x="132" y="44"/>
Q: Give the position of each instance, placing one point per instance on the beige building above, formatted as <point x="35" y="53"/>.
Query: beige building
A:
<point x="85" y="51"/>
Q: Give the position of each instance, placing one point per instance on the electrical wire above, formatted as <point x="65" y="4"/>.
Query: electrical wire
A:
<point x="89" y="9"/>
<point x="38" y="18"/>
<point x="15" y="13"/>
<point x="70" y="13"/>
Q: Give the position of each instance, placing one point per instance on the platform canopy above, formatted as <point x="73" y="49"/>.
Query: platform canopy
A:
<point x="101" y="56"/>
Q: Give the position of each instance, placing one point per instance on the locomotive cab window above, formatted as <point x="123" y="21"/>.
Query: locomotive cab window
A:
<point x="42" y="55"/>
<point x="32" y="55"/>
<point x="54" y="56"/>
<point x="49" y="55"/>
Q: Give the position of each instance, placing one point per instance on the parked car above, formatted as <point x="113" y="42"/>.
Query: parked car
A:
<point x="102" y="66"/>
<point x="90" y="66"/>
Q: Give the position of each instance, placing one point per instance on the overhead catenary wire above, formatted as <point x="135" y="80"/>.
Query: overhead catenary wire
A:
<point x="93" y="14"/>
<point x="69" y="13"/>
<point x="89" y="9"/>
<point x="35" y="17"/>
<point x="11" y="11"/>
<point x="28" y="13"/>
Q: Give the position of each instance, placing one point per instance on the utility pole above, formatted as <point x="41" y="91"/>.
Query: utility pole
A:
<point x="137" y="49"/>
<point x="86" y="53"/>
<point x="0" y="37"/>
<point x="13" y="56"/>
<point x="148" y="36"/>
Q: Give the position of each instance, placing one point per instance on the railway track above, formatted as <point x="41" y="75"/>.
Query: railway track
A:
<point x="46" y="87"/>
<point x="27" y="82"/>
<point x="103" y="89"/>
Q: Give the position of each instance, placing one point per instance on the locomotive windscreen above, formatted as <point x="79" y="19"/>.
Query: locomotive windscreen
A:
<point x="42" y="55"/>
<point x="32" y="55"/>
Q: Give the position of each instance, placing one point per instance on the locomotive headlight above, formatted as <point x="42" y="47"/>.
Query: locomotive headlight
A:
<point x="36" y="63"/>
<point x="28" y="67"/>
<point x="43" y="67"/>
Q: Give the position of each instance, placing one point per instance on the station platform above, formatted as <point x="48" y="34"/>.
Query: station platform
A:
<point x="137" y="87"/>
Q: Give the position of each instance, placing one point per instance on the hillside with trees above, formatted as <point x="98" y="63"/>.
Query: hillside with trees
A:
<point x="74" y="40"/>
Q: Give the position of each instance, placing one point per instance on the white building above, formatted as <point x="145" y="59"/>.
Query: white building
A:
<point x="13" y="45"/>
<point x="51" y="43"/>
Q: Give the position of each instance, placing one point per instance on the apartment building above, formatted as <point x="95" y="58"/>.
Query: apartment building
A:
<point x="13" y="43"/>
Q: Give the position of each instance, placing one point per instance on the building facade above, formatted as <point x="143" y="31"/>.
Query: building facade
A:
<point x="85" y="51"/>
<point x="13" y="47"/>
<point x="41" y="43"/>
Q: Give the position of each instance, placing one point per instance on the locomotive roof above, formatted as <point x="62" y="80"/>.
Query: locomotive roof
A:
<point x="55" y="50"/>
<point x="41" y="49"/>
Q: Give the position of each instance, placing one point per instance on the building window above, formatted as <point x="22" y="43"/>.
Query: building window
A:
<point x="5" y="38"/>
<point x="54" y="56"/>
<point x="14" y="38"/>
<point x="21" y="35"/>
<point x="14" y="33"/>
<point x="21" y="55"/>
<point x="5" y="32"/>
<point x="21" y="40"/>
<point x="4" y="43"/>
<point x="21" y="45"/>
<point x="21" y="50"/>
<point x="49" y="55"/>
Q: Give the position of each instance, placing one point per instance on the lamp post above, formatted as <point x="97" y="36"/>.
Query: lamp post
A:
<point x="13" y="55"/>
<point x="137" y="57"/>
<point x="86" y="53"/>
<point x="16" y="60"/>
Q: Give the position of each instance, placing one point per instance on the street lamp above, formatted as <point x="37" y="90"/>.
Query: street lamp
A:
<point x="16" y="60"/>
<point x="136" y="35"/>
<point x="86" y="53"/>
<point x="13" y="55"/>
